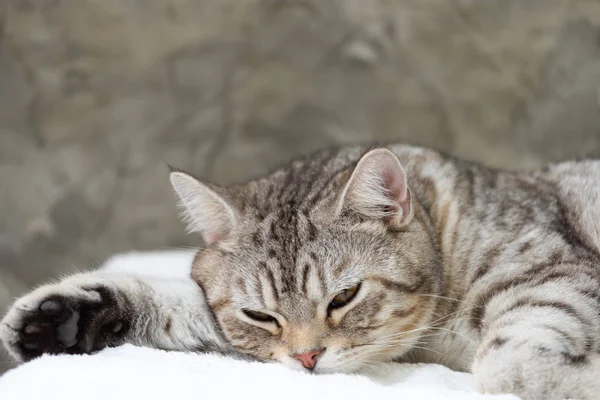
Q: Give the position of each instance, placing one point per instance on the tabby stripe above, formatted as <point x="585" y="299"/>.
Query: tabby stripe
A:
<point x="243" y="343"/>
<point x="273" y="232"/>
<point x="321" y="274"/>
<point x="305" y="273"/>
<point x="575" y="360"/>
<point x="498" y="342"/>
<point x="570" y="359"/>
<point x="312" y="231"/>
<point x="490" y="259"/>
<point x="219" y="304"/>
<point x="531" y="276"/>
<point x="261" y="292"/>
<point x="241" y="285"/>
<point x="257" y="239"/>
<point x="571" y="271"/>
<point x="481" y="301"/>
<point x="271" y="279"/>
<point x="559" y="305"/>
<point x="570" y="234"/>
<point x="248" y="348"/>
<point x="555" y="276"/>
<point x="495" y="343"/>
<point x="525" y="247"/>
<point x="481" y="271"/>
<point x="589" y="294"/>
<point x="403" y="313"/>
<point x="287" y="187"/>
<point x="564" y="335"/>
<point x="398" y="286"/>
<point x="318" y="195"/>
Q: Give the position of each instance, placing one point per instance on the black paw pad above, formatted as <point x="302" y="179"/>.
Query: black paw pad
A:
<point x="32" y="328"/>
<point x="51" y="329"/>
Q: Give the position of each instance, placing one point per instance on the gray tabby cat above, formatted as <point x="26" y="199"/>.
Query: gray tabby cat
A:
<point x="353" y="257"/>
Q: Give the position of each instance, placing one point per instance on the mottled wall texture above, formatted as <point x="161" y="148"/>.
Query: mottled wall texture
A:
<point x="96" y="96"/>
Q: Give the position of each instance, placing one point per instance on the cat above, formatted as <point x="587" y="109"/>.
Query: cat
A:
<point x="357" y="256"/>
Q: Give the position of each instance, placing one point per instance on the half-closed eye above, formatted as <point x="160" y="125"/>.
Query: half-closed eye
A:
<point x="260" y="316"/>
<point x="343" y="298"/>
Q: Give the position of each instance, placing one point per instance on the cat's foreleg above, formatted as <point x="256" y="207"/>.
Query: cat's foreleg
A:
<point x="90" y="311"/>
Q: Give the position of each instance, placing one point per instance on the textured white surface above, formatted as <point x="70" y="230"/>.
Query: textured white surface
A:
<point x="130" y="372"/>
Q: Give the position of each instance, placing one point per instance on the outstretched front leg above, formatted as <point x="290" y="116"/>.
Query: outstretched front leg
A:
<point x="90" y="311"/>
<point x="540" y="336"/>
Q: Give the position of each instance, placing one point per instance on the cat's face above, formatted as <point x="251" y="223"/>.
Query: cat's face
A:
<point x="317" y="287"/>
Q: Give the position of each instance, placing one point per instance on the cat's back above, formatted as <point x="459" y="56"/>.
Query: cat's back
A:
<point x="578" y="188"/>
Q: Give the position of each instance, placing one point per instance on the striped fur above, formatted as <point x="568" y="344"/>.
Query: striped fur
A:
<point x="478" y="269"/>
<point x="493" y="264"/>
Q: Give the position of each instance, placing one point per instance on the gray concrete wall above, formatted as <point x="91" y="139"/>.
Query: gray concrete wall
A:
<point x="95" y="97"/>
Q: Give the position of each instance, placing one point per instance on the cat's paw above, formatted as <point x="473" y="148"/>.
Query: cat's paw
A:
<point x="534" y="371"/>
<point x="61" y="318"/>
<point x="499" y="376"/>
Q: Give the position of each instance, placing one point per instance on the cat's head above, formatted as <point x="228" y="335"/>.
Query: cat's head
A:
<point x="325" y="265"/>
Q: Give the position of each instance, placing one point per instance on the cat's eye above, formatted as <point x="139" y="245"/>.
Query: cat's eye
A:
<point x="260" y="317"/>
<point x="343" y="298"/>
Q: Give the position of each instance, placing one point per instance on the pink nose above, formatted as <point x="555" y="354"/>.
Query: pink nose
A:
<point x="309" y="360"/>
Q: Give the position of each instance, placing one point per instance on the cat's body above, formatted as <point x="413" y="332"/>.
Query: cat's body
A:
<point x="483" y="270"/>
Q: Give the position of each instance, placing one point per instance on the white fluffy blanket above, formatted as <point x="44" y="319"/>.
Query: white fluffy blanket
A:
<point x="130" y="372"/>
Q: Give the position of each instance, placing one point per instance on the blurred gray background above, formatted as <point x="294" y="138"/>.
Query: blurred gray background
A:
<point x="97" y="95"/>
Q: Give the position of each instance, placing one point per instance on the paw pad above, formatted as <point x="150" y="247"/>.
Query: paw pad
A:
<point x="50" y="306"/>
<point x="32" y="329"/>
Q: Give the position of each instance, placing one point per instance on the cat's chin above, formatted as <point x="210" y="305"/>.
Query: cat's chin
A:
<point x="335" y="366"/>
<point x="338" y="363"/>
<point x="325" y="367"/>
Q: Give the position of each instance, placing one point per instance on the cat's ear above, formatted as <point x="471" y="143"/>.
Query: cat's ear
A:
<point x="206" y="208"/>
<point x="378" y="189"/>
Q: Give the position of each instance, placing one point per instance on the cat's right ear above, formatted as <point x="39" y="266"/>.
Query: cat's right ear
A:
<point x="206" y="208"/>
<point x="378" y="189"/>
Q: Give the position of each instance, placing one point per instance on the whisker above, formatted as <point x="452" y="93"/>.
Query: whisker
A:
<point x="425" y="327"/>
<point x="428" y="349"/>
<point x="456" y="333"/>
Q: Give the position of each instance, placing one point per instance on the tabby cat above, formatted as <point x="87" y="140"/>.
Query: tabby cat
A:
<point x="357" y="256"/>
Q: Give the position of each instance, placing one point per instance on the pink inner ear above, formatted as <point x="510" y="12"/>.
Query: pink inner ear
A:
<point x="405" y="204"/>
<point x="395" y="182"/>
<point x="211" y="238"/>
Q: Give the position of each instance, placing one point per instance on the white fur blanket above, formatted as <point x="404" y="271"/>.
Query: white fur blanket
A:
<point x="130" y="372"/>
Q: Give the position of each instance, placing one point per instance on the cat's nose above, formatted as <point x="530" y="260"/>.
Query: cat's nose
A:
<point x="309" y="359"/>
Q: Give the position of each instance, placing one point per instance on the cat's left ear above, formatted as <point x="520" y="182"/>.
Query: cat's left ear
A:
<point x="206" y="208"/>
<point x="378" y="189"/>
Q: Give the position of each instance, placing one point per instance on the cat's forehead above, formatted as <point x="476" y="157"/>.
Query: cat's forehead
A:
<point x="290" y="239"/>
<point x="284" y="230"/>
<point x="284" y="238"/>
